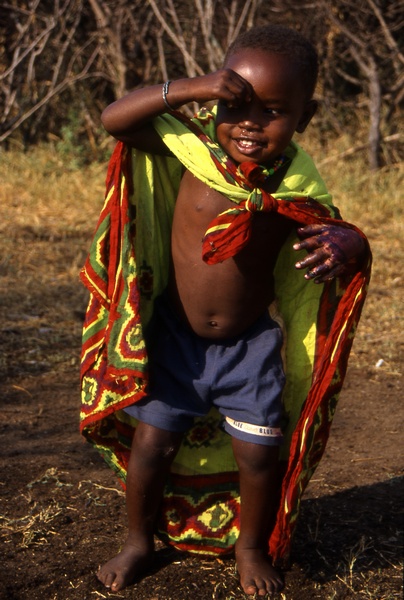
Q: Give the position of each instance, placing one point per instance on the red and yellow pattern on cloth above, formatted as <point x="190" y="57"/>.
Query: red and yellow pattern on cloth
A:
<point x="127" y="268"/>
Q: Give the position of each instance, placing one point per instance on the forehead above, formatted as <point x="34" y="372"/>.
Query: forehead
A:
<point x="268" y="72"/>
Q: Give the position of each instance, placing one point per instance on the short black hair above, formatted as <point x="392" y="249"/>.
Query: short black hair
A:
<point x="281" y="40"/>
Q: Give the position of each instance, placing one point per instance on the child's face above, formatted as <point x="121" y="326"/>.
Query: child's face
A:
<point x="261" y="129"/>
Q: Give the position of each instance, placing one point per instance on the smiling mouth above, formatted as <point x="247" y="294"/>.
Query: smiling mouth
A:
<point x="248" y="144"/>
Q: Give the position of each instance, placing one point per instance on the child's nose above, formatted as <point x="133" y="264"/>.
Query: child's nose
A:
<point x="249" y="125"/>
<point x="252" y="118"/>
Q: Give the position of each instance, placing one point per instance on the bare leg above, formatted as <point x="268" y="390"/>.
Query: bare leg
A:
<point x="259" y="492"/>
<point x="153" y="451"/>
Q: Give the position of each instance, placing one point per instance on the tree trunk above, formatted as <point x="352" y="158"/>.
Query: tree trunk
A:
<point x="375" y="103"/>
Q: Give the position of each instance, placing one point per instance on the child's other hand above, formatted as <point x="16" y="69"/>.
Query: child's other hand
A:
<point x="225" y="85"/>
<point x="330" y="248"/>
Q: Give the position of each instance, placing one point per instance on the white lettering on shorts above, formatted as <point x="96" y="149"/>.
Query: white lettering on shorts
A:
<point x="255" y="429"/>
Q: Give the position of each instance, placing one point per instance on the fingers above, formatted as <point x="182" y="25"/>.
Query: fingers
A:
<point x="324" y="260"/>
<point x="334" y="272"/>
<point x="317" y="256"/>
<point x="312" y="239"/>
<point x="330" y="249"/>
<point x="324" y="272"/>
<point x="233" y="88"/>
<point x="323" y="264"/>
<point x="346" y="242"/>
<point x="311" y="230"/>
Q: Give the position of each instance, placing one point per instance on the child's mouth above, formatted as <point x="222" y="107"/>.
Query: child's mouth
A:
<point x="248" y="145"/>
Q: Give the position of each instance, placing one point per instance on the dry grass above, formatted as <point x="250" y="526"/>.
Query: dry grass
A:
<point x="41" y="192"/>
<point x="47" y="215"/>
<point x="39" y="519"/>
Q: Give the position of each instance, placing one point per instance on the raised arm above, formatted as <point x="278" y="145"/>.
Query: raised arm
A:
<point x="129" y="119"/>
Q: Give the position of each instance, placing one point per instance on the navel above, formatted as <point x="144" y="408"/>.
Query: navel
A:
<point x="213" y="324"/>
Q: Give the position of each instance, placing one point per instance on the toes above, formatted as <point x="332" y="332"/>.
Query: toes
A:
<point x="111" y="580"/>
<point x="262" y="586"/>
<point x="254" y="588"/>
<point x="118" y="584"/>
<point x="110" y="577"/>
<point x="104" y="578"/>
<point x="250" y="590"/>
<point x="107" y="578"/>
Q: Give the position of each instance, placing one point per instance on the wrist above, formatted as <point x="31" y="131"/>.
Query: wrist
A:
<point x="164" y="94"/>
<point x="175" y="94"/>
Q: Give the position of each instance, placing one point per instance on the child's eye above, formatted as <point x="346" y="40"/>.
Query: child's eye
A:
<point x="231" y="105"/>
<point x="271" y="111"/>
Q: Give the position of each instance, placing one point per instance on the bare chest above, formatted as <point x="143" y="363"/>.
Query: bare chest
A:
<point x="198" y="204"/>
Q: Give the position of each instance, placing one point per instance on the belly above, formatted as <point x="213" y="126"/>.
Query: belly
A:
<point x="219" y="301"/>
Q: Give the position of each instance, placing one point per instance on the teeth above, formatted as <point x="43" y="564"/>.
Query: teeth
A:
<point x="247" y="143"/>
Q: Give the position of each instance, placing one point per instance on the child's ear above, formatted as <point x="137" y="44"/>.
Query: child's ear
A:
<point x="308" y="113"/>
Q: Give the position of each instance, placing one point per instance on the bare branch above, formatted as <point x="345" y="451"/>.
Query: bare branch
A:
<point x="391" y="42"/>
<point x="192" y="66"/>
<point x="18" y="58"/>
<point x="52" y="93"/>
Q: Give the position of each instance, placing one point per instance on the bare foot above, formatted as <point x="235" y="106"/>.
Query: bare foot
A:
<point x="257" y="575"/>
<point x="125" y="567"/>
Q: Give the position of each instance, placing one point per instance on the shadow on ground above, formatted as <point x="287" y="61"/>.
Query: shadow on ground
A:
<point x="357" y="529"/>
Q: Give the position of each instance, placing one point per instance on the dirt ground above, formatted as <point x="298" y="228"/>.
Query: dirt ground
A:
<point x="62" y="510"/>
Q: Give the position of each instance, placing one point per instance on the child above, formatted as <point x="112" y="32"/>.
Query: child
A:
<point x="211" y="339"/>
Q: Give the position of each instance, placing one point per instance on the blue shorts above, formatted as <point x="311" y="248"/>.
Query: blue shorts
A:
<point x="242" y="376"/>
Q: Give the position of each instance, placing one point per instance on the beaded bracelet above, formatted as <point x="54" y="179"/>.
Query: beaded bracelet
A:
<point x="164" y="93"/>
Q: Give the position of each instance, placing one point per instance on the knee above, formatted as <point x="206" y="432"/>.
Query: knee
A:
<point x="255" y="458"/>
<point x="155" y="445"/>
